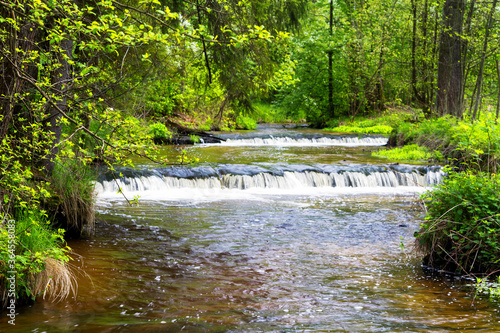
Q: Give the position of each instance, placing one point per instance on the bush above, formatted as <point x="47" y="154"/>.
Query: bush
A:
<point x="245" y="123"/>
<point x="462" y="228"/>
<point x="159" y="132"/>
<point x="39" y="258"/>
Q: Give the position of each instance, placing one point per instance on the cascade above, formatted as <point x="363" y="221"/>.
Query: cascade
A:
<point x="240" y="177"/>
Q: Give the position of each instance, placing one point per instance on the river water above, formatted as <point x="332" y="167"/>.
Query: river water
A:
<point x="276" y="231"/>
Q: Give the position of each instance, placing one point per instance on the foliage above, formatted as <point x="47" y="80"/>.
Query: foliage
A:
<point x="377" y="129"/>
<point x="462" y="228"/>
<point x="159" y="131"/>
<point x="382" y="124"/>
<point x="195" y="138"/>
<point x="491" y="289"/>
<point x="271" y="113"/>
<point x="387" y="53"/>
<point x="245" y="123"/>
<point x="35" y="243"/>
<point x="406" y="153"/>
<point x="463" y="143"/>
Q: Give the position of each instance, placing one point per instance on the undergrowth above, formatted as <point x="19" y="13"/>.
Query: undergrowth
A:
<point x="36" y="253"/>
<point x="463" y="143"/>
<point x="461" y="232"/>
<point x="376" y="125"/>
<point x="408" y="153"/>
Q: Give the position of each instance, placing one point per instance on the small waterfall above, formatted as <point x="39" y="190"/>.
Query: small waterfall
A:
<point x="348" y="141"/>
<point x="291" y="177"/>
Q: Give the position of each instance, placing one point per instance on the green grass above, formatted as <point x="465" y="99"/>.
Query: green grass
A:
<point x="406" y="153"/>
<point x="373" y="125"/>
<point x="377" y="129"/>
<point x="34" y="244"/>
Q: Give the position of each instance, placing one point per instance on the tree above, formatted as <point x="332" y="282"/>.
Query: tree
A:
<point x="449" y="83"/>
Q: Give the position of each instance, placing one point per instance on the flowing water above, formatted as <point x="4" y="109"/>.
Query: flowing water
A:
<point x="277" y="231"/>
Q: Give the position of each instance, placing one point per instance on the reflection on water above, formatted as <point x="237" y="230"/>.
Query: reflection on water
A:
<point x="280" y="264"/>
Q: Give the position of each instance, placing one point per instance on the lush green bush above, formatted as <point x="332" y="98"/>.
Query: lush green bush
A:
<point x="159" y="131"/>
<point x="407" y="153"/>
<point x="245" y="123"/>
<point x="461" y="231"/>
<point x="35" y="245"/>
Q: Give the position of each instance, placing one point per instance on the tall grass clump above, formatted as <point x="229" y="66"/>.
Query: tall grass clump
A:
<point x="36" y="252"/>
<point x="73" y="185"/>
<point x="461" y="232"/>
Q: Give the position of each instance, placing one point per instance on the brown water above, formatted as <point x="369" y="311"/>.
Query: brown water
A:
<point x="292" y="262"/>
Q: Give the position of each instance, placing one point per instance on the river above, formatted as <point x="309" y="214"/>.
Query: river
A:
<point x="278" y="230"/>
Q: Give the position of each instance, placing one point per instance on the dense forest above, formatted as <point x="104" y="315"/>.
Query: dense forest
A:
<point x="91" y="83"/>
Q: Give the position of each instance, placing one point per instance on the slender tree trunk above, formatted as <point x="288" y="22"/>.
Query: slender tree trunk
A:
<point x="416" y="93"/>
<point x="479" y="83"/>
<point x="449" y="83"/>
<point x="498" y="96"/>
<point x="413" y="49"/>
<point x="331" y="110"/>
<point x="465" y="49"/>
<point x="434" y="63"/>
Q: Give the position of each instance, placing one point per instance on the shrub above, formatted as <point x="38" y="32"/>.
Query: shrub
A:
<point x="245" y="123"/>
<point x="40" y="259"/>
<point x="489" y="288"/>
<point x="159" y="132"/>
<point x="461" y="231"/>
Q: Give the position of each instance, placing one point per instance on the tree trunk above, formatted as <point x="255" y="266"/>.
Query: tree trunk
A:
<point x="414" y="52"/>
<point x="449" y="83"/>
<point x="498" y="96"/>
<point x="479" y="82"/>
<point x="331" y="110"/>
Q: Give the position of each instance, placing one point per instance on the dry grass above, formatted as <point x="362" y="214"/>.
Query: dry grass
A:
<point x="79" y="213"/>
<point x="56" y="282"/>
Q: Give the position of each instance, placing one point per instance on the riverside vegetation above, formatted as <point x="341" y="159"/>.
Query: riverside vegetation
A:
<point x="89" y="84"/>
<point x="461" y="231"/>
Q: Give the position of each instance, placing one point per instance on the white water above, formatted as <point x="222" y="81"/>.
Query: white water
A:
<point x="157" y="187"/>
<point x="304" y="142"/>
